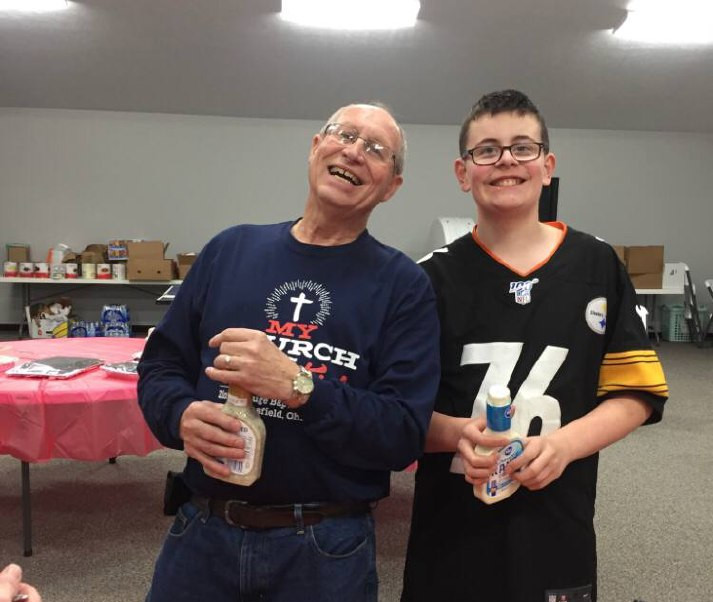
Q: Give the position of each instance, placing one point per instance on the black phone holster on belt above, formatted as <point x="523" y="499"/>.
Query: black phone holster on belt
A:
<point x="175" y="494"/>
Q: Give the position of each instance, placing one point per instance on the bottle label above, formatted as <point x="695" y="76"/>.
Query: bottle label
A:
<point x="499" y="481"/>
<point x="244" y="465"/>
<point x="238" y="397"/>
<point x="499" y="417"/>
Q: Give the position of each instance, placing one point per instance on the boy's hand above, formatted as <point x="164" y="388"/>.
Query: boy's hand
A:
<point x="543" y="460"/>
<point x="476" y="466"/>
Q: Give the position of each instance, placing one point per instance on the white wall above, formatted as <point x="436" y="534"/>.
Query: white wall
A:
<point x="82" y="176"/>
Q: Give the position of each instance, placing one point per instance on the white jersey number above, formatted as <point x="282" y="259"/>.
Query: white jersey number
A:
<point x="530" y="400"/>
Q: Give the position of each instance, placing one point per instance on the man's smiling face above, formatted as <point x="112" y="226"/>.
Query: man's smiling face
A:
<point x="344" y="175"/>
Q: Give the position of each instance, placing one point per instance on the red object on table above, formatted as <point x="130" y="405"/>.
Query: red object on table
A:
<point x="92" y="416"/>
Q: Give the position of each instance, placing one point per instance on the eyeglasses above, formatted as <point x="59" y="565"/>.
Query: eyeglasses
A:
<point x="489" y="154"/>
<point x="347" y="136"/>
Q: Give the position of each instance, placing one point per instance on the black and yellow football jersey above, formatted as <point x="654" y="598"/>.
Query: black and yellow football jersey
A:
<point x="563" y="338"/>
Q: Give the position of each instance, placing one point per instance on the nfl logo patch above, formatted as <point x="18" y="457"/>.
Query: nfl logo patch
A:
<point x="523" y="290"/>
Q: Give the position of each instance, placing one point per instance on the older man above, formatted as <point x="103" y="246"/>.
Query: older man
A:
<point x="336" y="336"/>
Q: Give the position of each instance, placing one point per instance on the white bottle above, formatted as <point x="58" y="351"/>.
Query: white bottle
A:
<point x="499" y="484"/>
<point x="252" y="429"/>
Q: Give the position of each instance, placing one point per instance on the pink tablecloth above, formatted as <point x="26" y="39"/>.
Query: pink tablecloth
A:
<point x="92" y="416"/>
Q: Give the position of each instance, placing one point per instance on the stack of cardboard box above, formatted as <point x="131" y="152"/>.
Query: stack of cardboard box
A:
<point x="147" y="262"/>
<point x="18" y="252"/>
<point x="185" y="261"/>
<point x="643" y="263"/>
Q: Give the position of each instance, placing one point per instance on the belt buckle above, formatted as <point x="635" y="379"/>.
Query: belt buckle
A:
<point x="226" y="512"/>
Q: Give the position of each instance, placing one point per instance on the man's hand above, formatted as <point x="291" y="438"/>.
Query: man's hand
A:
<point x="208" y="433"/>
<point x="249" y="359"/>
<point x="11" y="585"/>
<point x="476" y="466"/>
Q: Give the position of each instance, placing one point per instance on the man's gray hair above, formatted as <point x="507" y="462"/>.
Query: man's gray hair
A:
<point x="400" y="153"/>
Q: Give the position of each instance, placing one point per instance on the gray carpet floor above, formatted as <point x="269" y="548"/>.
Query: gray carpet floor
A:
<point x="98" y="526"/>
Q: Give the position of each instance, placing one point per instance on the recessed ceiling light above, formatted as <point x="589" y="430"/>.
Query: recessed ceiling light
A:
<point x="352" y="15"/>
<point x="33" y="5"/>
<point x="668" y="22"/>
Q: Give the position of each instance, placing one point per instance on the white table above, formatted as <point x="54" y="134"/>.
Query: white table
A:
<point x="649" y="301"/>
<point x="71" y="284"/>
<point x="670" y="290"/>
<point x="673" y="279"/>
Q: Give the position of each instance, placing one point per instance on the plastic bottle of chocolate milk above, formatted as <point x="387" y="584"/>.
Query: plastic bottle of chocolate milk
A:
<point x="252" y="430"/>
<point x="499" y="484"/>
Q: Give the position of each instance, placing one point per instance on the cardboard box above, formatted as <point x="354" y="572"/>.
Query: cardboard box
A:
<point x="146" y="249"/>
<point x="644" y="260"/>
<point x="185" y="261"/>
<point x="146" y="261"/>
<point x="620" y="252"/>
<point x="149" y="269"/>
<point x="49" y="320"/>
<point x="645" y="265"/>
<point x="646" y="280"/>
<point x="18" y="252"/>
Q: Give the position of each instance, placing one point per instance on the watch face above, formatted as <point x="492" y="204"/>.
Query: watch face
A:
<point x="303" y="384"/>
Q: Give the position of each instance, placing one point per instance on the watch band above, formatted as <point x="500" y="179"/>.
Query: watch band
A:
<point x="302" y="386"/>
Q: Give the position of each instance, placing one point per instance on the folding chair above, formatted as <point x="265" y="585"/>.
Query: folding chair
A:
<point x="690" y="311"/>
<point x="707" y="329"/>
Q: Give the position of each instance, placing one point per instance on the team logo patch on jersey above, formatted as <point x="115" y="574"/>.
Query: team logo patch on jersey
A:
<point x="522" y="290"/>
<point x="596" y="315"/>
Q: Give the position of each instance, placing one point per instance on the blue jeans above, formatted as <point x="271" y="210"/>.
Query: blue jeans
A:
<point x="206" y="560"/>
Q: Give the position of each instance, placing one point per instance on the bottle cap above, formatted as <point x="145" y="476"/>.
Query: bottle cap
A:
<point x="498" y="395"/>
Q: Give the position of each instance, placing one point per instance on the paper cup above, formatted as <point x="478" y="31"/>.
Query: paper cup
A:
<point x="27" y="269"/>
<point x="103" y="271"/>
<point x="42" y="270"/>
<point x="10" y="269"/>
<point x="70" y="270"/>
<point x="118" y="271"/>
<point x="89" y="271"/>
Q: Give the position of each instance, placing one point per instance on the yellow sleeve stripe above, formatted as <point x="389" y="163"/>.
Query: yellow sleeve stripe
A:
<point x="634" y="370"/>
<point x="640" y="354"/>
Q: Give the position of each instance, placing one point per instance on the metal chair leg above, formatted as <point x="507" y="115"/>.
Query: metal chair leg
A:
<point x="26" y="509"/>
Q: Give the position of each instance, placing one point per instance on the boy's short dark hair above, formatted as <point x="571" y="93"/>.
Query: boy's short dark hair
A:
<point x="503" y="101"/>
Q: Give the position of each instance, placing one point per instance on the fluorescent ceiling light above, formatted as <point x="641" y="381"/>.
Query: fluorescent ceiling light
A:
<point x="352" y="15"/>
<point x="33" y="5"/>
<point x="668" y="22"/>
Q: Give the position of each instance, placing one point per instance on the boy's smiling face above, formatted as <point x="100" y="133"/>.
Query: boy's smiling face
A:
<point x="508" y="185"/>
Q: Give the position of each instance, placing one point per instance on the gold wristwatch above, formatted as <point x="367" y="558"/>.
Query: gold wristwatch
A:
<point x="302" y="385"/>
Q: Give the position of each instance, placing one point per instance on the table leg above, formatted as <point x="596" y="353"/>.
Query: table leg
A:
<point x="25" y="303"/>
<point x="655" y="321"/>
<point x="652" y="319"/>
<point x="26" y="509"/>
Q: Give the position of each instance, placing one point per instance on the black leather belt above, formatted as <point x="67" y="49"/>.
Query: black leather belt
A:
<point x="250" y="516"/>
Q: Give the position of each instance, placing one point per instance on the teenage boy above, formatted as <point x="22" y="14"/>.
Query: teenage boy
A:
<point x="550" y="312"/>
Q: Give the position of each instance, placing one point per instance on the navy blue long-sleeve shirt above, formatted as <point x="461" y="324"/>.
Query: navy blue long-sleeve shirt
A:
<point x="360" y="316"/>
